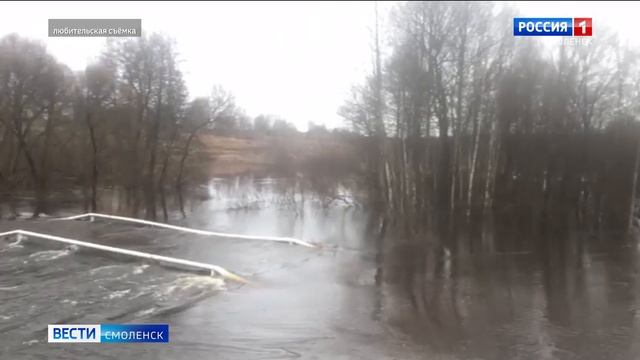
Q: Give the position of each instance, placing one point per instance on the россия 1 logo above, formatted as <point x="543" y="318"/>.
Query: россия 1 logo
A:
<point x="552" y="27"/>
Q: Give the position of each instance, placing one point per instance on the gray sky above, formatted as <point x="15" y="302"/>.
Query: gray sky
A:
<point x="295" y="60"/>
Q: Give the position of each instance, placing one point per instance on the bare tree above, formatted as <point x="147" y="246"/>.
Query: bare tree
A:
<point x="202" y="113"/>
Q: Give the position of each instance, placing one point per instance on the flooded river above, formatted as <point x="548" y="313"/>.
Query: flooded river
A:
<point x="358" y="296"/>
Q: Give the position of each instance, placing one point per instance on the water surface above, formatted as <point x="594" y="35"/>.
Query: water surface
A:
<point x="359" y="296"/>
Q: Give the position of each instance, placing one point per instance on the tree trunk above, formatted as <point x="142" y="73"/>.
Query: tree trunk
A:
<point x="42" y="187"/>
<point x="183" y="159"/>
<point x="94" y="164"/>
<point x="634" y="186"/>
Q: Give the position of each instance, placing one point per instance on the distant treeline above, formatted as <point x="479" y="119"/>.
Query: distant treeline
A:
<point x="463" y="118"/>
<point x="126" y="122"/>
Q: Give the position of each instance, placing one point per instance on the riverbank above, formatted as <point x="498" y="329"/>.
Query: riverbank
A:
<point x="235" y="155"/>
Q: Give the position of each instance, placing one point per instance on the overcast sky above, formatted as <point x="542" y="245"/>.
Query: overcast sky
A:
<point x="294" y="60"/>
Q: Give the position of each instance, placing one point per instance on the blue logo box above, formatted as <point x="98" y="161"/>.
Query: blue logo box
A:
<point x="109" y="333"/>
<point x="134" y="333"/>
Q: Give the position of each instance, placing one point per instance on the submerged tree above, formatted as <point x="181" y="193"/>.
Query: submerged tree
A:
<point x="33" y="91"/>
<point x="477" y="120"/>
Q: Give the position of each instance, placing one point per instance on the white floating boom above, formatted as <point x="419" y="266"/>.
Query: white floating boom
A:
<point x="170" y="260"/>
<point x="189" y="230"/>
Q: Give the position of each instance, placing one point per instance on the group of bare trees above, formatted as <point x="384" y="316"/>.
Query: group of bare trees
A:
<point x="125" y="121"/>
<point x="463" y="117"/>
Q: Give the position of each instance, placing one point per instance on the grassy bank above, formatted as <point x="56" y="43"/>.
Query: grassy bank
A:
<point x="233" y="155"/>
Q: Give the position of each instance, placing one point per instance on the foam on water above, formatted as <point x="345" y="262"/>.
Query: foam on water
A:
<point x="9" y="288"/>
<point x="48" y="255"/>
<point x="104" y="268"/>
<point x="140" y="269"/>
<point x="146" y="312"/>
<point x="190" y="285"/>
<point x="200" y="281"/>
<point x="16" y="244"/>
<point x="118" y="294"/>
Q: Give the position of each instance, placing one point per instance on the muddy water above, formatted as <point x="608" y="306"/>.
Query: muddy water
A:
<point x="358" y="296"/>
